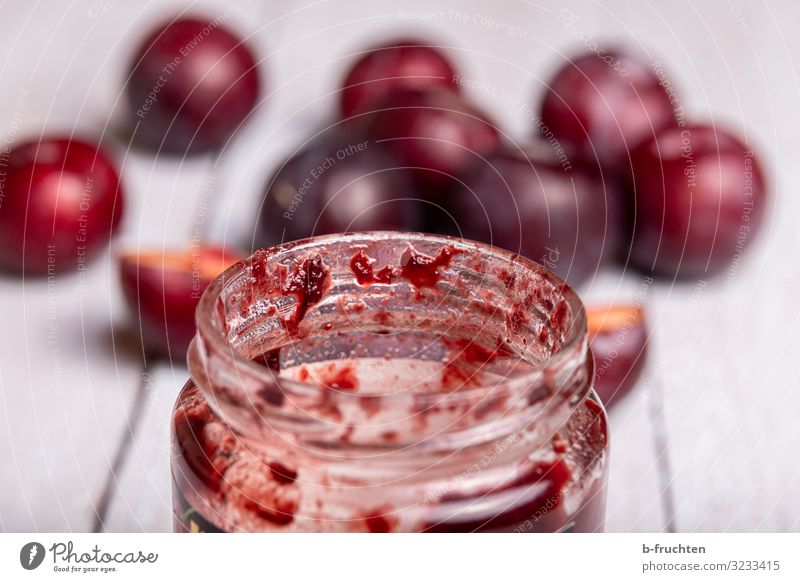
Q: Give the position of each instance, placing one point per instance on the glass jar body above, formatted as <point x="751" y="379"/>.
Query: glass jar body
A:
<point x="363" y="415"/>
<point x="220" y="485"/>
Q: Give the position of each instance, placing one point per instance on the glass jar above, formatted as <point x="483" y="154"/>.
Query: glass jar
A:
<point x="389" y="382"/>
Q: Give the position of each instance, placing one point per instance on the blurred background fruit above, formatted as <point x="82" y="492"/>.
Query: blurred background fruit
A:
<point x="434" y="131"/>
<point x="385" y="69"/>
<point x="601" y="105"/>
<point x="420" y="157"/>
<point x="561" y="218"/>
<point x="338" y="183"/>
<point x="162" y="289"/>
<point x="61" y="201"/>
<point x="192" y="83"/>
<point x="618" y="336"/>
<point x="699" y="197"/>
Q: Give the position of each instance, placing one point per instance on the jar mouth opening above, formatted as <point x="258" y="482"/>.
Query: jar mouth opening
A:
<point x="222" y="310"/>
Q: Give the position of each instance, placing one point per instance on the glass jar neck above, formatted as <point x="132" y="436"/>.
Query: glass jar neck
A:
<point x="413" y="344"/>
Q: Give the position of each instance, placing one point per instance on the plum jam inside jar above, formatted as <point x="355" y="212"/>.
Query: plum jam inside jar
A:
<point x="377" y="382"/>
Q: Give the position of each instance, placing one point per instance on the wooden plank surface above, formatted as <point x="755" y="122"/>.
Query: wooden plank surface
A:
<point x="707" y="443"/>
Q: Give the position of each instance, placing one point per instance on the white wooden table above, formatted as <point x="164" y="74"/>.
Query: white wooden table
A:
<point x="710" y="439"/>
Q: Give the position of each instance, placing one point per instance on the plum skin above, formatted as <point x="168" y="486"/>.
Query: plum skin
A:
<point x="337" y="183"/>
<point x="563" y="219"/>
<point x="191" y="85"/>
<point x="603" y="105"/>
<point x="59" y="205"/>
<point x="699" y="196"/>
<point x="384" y="69"/>
<point x="434" y="131"/>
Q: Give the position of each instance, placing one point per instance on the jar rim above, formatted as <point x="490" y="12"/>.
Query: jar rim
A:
<point x="574" y="342"/>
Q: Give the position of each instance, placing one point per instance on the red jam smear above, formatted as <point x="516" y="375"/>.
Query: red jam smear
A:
<point x="423" y="271"/>
<point x="364" y="270"/>
<point x="264" y="488"/>
<point x="246" y="484"/>
<point x="342" y="379"/>
<point x="549" y="480"/>
<point x="333" y="375"/>
<point x="267" y="489"/>
<point x="380" y="521"/>
<point x="270" y="359"/>
<point x="418" y="269"/>
<point x="307" y="283"/>
<point x="203" y="443"/>
<point x="470" y="352"/>
<point x="281" y="473"/>
<point x="466" y="361"/>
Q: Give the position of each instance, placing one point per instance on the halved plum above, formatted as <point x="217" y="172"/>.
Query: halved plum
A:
<point x="162" y="289"/>
<point x="618" y="338"/>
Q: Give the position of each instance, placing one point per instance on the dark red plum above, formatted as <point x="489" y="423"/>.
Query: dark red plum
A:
<point x="192" y="83"/>
<point x="338" y="185"/>
<point x="560" y="217"/>
<point x="434" y="131"/>
<point x="60" y="201"/>
<point x="618" y="338"/>
<point x="700" y="196"/>
<point x="402" y="64"/>
<point x="602" y="105"/>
